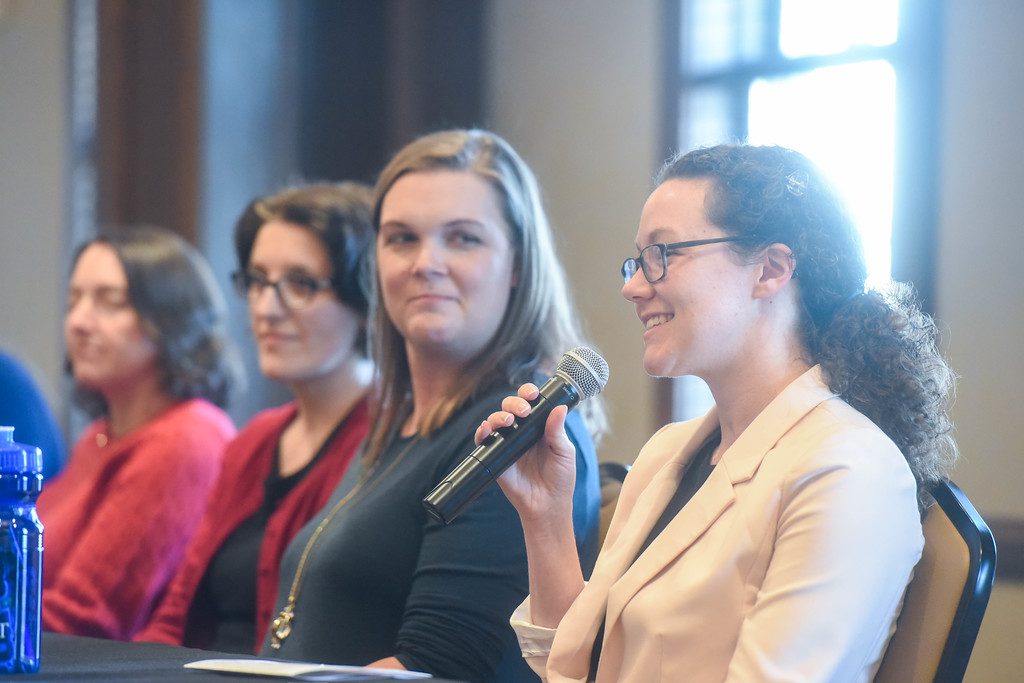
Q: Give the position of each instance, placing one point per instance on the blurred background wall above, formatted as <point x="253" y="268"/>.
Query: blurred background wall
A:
<point x="575" y="85"/>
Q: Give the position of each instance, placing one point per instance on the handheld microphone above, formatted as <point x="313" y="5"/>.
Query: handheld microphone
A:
<point x="581" y="373"/>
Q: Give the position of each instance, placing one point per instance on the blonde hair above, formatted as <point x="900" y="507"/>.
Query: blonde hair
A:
<point x="538" y="325"/>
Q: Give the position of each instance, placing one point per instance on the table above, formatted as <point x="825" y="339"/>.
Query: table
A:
<point x="77" y="658"/>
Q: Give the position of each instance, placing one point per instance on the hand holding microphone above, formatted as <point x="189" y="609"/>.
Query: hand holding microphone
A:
<point x="543" y="481"/>
<point x="581" y="373"/>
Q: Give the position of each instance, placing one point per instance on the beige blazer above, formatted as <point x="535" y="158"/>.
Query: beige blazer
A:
<point x="789" y="564"/>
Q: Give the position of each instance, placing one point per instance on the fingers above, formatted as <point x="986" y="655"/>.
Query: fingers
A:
<point x="495" y="421"/>
<point x="511" y="408"/>
<point x="516" y="405"/>
<point x="519" y="405"/>
<point x="529" y="391"/>
<point x="481" y="433"/>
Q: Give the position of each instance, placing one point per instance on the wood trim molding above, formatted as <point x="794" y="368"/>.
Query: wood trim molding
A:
<point x="148" y="113"/>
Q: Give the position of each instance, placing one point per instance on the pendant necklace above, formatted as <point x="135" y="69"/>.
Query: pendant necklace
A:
<point x="281" y="627"/>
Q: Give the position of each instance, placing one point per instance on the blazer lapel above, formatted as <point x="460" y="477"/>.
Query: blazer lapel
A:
<point x="738" y="464"/>
<point x="701" y="511"/>
<point x="594" y="603"/>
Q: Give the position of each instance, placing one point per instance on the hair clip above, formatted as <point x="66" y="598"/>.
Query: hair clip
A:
<point x="796" y="183"/>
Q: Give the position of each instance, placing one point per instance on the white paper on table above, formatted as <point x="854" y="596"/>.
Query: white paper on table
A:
<point x="302" y="671"/>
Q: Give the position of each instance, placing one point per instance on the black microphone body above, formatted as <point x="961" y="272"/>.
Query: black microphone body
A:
<point x="505" y="446"/>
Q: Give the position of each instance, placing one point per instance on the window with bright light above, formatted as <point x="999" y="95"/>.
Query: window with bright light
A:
<point x="846" y="82"/>
<point x="806" y="112"/>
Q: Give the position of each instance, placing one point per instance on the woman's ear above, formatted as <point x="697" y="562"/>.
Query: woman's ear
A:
<point x="777" y="268"/>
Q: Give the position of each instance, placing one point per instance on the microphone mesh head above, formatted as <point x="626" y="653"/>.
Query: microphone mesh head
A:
<point x="586" y="369"/>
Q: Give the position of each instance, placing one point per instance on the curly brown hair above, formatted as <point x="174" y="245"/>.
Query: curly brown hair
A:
<point x="878" y="350"/>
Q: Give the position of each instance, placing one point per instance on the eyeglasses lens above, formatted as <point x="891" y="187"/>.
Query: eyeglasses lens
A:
<point x="628" y="269"/>
<point x="652" y="259"/>
<point x="292" y="292"/>
<point x="296" y="292"/>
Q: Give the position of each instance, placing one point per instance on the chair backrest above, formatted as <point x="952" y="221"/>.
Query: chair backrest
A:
<point x="946" y="599"/>
<point x="612" y="475"/>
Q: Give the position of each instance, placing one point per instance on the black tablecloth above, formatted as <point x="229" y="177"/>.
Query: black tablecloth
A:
<point x="75" y="658"/>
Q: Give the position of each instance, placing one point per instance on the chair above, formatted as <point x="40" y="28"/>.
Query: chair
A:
<point x="947" y="597"/>
<point x="611" y="474"/>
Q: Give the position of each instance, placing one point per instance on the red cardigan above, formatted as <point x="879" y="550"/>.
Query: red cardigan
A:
<point x="117" y="520"/>
<point x="238" y="495"/>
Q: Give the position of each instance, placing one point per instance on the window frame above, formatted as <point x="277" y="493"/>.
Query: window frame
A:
<point x="916" y="60"/>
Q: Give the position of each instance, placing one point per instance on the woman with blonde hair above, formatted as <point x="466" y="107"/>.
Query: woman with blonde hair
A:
<point x="470" y="301"/>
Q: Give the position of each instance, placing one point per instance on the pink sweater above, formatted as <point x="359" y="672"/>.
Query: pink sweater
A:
<point x="118" y="519"/>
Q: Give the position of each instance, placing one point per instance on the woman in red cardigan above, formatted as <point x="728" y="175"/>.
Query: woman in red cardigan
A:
<point x="301" y="263"/>
<point x="149" y="359"/>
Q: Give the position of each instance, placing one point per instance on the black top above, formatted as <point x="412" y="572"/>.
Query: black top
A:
<point x="696" y="473"/>
<point x="386" y="579"/>
<point x="229" y="585"/>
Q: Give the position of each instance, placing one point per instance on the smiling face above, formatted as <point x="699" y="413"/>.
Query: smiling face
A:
<point x="445" y="262"/>
<point x="310" y="343"/>
<point x="695" y="319"/>
<point x="107" y="344"/>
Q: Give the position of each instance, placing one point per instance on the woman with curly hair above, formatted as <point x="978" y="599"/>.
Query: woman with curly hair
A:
<point x="773" y="538"/>
<point x="150" y="361"/>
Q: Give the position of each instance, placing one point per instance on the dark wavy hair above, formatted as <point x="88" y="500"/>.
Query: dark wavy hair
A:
<point x="877" y="350"/>
<point x="182" y="310"/>
<point x="339" y="215"/>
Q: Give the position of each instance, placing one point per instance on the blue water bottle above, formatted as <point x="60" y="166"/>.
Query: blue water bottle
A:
<point x="21" y="554"/>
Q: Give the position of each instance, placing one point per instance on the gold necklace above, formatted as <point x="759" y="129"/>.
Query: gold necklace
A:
<point x="281" y="627"/>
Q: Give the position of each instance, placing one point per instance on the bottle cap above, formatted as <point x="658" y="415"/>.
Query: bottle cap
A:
<point x="18" y="458"/>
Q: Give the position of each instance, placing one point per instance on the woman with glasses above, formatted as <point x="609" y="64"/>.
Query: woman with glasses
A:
<point x="470" y="302"/>
<point x="773" y="538"/>
<point x="301" y="256"/>
<point x="148" y="354"/>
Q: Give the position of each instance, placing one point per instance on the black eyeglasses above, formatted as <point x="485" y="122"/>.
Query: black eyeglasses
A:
<point x="653" y="259"/>
<point x="294" y="290"/>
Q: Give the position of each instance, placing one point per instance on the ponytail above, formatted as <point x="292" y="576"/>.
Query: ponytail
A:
<point x="879" y="353"/>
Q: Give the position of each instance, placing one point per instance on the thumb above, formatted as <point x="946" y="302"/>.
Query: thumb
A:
<point x="554" y="432"/>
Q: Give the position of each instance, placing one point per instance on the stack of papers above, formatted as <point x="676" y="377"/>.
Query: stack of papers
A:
<point x="303" y="671"/>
